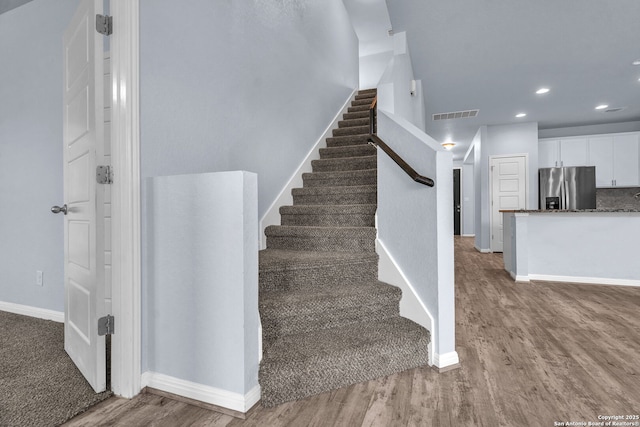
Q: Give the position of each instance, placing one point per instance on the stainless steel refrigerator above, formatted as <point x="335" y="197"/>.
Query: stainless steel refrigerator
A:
<point x="570" y="188"/>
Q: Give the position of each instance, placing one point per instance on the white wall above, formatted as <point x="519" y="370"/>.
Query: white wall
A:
<point x="502" y="140"/>
<point x="589" y="130"/>
<point x="394" y="89"/>
<point x="202" y="270"/>
<point x="31" y="152"/>
<point x="242" y="85"/>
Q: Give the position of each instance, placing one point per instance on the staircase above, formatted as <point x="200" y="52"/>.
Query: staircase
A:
<point x="327" y="321"/>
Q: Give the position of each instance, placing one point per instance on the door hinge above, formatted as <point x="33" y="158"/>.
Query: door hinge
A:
<point x="106" y="325"/>
<point x="104" y="175"/>
<point x="104" y="24"/>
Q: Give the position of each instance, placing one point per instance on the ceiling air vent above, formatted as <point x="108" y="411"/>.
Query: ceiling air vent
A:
<point x="456" y="115"/>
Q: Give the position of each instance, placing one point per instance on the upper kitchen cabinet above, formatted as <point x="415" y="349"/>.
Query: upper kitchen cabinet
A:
<point x="616" y="158"/>
<point x="562" y="152"/>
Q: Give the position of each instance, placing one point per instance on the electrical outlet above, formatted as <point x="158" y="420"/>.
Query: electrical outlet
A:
<point x="38" y="277"/>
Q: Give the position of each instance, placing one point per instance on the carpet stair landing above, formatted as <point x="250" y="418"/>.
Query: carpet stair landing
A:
<point x="327" y="321"/>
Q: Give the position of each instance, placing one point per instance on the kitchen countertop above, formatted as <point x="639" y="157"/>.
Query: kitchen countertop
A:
<point x="570" y="211"/>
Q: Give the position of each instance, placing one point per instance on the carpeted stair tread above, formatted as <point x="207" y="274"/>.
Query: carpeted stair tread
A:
<point x="340" y="178"/>
<point x="373" y="91"/>
<point x="322" y="307"/>
<point x="348" y="151"/>
<point x="338" y="195"/>
<point x="351" y="130"/>
<point x="296" y="366"/>
<point x="356" y="108"/>
<point x="281" y="259"/>
<point x="289" y="270"/>
<point x="338" y="141"/>
<point x="364" y="121"/>
<point x="312" y="238"/>
<point x="329" y="215"/>
<point x="344" y="163"/>
<point x="362" y="101"/>
<point x="369" y="96"/>
<point x="356" y="115"/>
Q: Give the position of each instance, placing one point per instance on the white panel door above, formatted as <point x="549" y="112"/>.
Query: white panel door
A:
<point x="508" y="192"/>
<point x="84" y="222"/>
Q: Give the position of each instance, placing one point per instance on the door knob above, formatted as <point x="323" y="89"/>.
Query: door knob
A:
<point x="58" y="209"/>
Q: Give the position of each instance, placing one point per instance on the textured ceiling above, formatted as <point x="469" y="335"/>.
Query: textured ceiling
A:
<point x="493" y="55"/>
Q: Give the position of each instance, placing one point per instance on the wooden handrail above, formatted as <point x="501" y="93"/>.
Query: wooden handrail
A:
<point x="377" y="142"/>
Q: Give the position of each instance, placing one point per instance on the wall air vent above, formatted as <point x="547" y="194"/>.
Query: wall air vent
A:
<point x="456" y="115"/>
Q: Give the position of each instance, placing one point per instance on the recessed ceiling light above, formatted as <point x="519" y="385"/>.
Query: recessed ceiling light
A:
<point x="602" y="107"/>
<point x="542" y="90"/>
<point x="520" y="115"/>
<point x="636" y="62"/>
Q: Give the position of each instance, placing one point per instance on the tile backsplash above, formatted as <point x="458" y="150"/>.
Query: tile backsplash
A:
<point x="617" y="198"/>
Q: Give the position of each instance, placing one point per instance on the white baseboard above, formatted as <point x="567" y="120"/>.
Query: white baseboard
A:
<point x="484" y="251"/>
<point x="411" y="306"/>
<point x="272" y="216"/>
<point x="468" y="235"/>
<point x="202" y="393"/>
<point x="25" y="310"/>
<point x="445" y="360"/>
<point x="583" y="280"/>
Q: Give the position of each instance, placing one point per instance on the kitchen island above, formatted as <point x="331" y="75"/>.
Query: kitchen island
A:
<point x="600" y="246"/>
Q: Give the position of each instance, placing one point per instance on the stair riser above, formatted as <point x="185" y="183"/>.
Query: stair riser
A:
<point x="273" y="328"/>
<point x="354" y="122"/>
<point x="336" y="199"/>
<point x="326" y="180"/>
<point x="354" y="130"/>
<point x="327" y="275"/>
<point x="323" y="373"/>
<point x="323" y="244"/>
<point x="369" y="96"/>
<point x="344" y="164"/>
<point x="330" y="220"/>
<point x="349" y="151"/>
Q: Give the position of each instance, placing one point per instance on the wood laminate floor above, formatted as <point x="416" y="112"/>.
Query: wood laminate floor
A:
<point x="531" y="355"/>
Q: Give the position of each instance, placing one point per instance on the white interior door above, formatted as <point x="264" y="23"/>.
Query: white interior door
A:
<point x="84" y="221"/>
<point x="508" y="192"/>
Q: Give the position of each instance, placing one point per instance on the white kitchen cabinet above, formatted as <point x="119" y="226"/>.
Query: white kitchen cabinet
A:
<point x="616" y="158"/>
<point x="571" y="151"/>
<point x="548" y="153"/>
<point x="626" y="160"/>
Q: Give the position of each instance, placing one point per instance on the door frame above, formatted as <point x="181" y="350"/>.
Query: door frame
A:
<point x="526" y="187"/>
<point x="459" y="168"/>
<point x="126" y="229"/>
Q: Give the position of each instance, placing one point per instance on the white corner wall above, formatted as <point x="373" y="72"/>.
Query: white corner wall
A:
<point x="202" y="298"/>
<point x="502" y="140"/>
<point x="415" y="225"/>
<point x="31" y="153"/>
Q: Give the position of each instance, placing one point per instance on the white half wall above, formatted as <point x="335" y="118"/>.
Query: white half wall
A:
<point x="201" y="310"/>
<point x="415" y="222"/>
